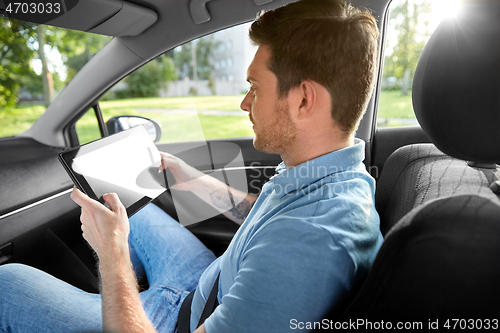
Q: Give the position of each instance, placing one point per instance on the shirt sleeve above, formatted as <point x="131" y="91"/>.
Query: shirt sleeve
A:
<point x="279" y="282"/>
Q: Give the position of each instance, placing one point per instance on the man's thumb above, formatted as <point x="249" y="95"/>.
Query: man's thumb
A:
<point x="114" y="202"/>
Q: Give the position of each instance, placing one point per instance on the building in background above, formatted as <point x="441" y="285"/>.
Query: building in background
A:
<point x="233" y="55"/>
<point x="229" y="62"/>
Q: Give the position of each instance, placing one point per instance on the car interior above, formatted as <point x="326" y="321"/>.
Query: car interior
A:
<point x="438" y="188"/>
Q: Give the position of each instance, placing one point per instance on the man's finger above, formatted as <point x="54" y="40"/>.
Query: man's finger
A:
<point x="81" y="199"/>
<point x="114" y="202"/>
<point x="166" y="161"/>
<point x="163" y="154"/>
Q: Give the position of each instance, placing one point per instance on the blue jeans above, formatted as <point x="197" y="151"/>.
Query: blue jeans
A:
<point x="172" y="258"/>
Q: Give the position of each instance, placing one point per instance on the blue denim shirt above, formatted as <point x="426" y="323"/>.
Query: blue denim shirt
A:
<point x="310" y="237"/>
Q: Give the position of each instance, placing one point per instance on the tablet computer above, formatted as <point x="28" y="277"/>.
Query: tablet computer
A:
<point x="126" y="163"/>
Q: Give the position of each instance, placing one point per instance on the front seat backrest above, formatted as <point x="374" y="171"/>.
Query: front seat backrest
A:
<point x="439" y="262"/>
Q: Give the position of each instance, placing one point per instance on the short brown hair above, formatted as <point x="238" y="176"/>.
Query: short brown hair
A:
<point x="327" y="41"/>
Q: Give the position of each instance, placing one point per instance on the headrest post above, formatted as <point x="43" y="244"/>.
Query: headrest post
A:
<point x="482" y="165"/>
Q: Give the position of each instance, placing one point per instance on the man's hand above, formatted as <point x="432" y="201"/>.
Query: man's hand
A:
<point x="187" y="178"/>
<point x="234" y="204"/>
<point x="106" y="230"/>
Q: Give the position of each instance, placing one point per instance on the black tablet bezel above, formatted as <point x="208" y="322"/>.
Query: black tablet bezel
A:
<point x="66" y="158"/>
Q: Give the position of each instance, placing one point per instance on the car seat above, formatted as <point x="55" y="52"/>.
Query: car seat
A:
<point x="438" y="203"/>
<point x="439" y="262"/>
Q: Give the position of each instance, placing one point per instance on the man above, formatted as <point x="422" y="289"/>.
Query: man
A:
<point x="309" y="238"/>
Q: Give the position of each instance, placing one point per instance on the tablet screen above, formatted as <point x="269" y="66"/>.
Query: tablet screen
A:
<point x="125" y="163"/>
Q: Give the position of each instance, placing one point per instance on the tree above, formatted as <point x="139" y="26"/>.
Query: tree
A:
<point x="15" y="57"/>
<point x="75" y="47"/>
<point x="22" y="42"/>
<point x="410" y="20"/>
<point x="147" y="80"/>
<point x="185" y="59"/>
<point x="47" y="79"/>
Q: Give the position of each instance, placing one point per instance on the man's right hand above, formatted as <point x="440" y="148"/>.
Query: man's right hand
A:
<point x="187" y="178"/>
<point x="233" y="203"/>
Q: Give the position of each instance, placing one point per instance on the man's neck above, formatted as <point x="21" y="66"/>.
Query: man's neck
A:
<point x="303" y="152"/>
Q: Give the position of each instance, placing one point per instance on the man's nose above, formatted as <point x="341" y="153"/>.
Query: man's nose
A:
<point x="245" y="103"/>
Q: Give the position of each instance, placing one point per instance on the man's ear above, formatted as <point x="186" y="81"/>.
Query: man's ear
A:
<point x="308" y="95"/>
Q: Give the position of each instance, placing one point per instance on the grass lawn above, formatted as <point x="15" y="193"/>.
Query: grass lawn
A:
<point x="179" y="127"/>
<point x="393" y="105"/>
<point x="175" y="127"/>
<point x="16" y="120"/>
<point x="224" y="103"/>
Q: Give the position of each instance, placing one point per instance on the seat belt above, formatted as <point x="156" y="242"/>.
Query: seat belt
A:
<point x="184" y="318"/>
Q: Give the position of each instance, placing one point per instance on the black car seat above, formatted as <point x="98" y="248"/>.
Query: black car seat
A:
<point x="440" y="262"/>
<point x="438" y="203"/>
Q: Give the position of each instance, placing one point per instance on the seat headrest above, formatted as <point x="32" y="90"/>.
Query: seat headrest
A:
<point x="456" y="87"/>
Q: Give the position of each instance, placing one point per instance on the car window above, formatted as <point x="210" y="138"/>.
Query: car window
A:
<point x="36" y="62"/>
<point x="87" y="127"/>
<point x="410" y="25"/>
<point x="194" y="91"/>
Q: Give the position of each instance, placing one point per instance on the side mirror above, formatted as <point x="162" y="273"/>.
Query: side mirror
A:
<point x="122" y="123"/>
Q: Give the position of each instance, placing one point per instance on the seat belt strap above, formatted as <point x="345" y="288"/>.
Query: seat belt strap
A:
<point x="212" y="302"/>
<point x="184" y="318"/>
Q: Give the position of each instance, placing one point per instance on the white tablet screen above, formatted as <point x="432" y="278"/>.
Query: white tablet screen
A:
<point x="124" y="167"/>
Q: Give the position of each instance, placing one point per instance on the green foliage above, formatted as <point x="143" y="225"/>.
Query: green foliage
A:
<point x="75" y="47"/>
<point x="211" y="84"/>
<point x="15" y="57"/>
<point x="204" y="53"/>
<point x="193" y="91"/>
<point x="205" y="48"/>
<point x="18" y="47"/>
<point x="15" y="120"/>
<point x="147" y="80"/>
<point x="410" y="21"/>
<point x="32" y="83"/>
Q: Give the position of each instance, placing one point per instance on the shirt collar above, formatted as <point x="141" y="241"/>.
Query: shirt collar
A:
<point x="311" y="171"/>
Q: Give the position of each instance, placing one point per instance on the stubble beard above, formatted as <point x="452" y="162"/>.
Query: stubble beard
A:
<point x="280" y="134"/>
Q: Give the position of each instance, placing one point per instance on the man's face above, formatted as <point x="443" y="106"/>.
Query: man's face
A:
<point x="274" y="129"/>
